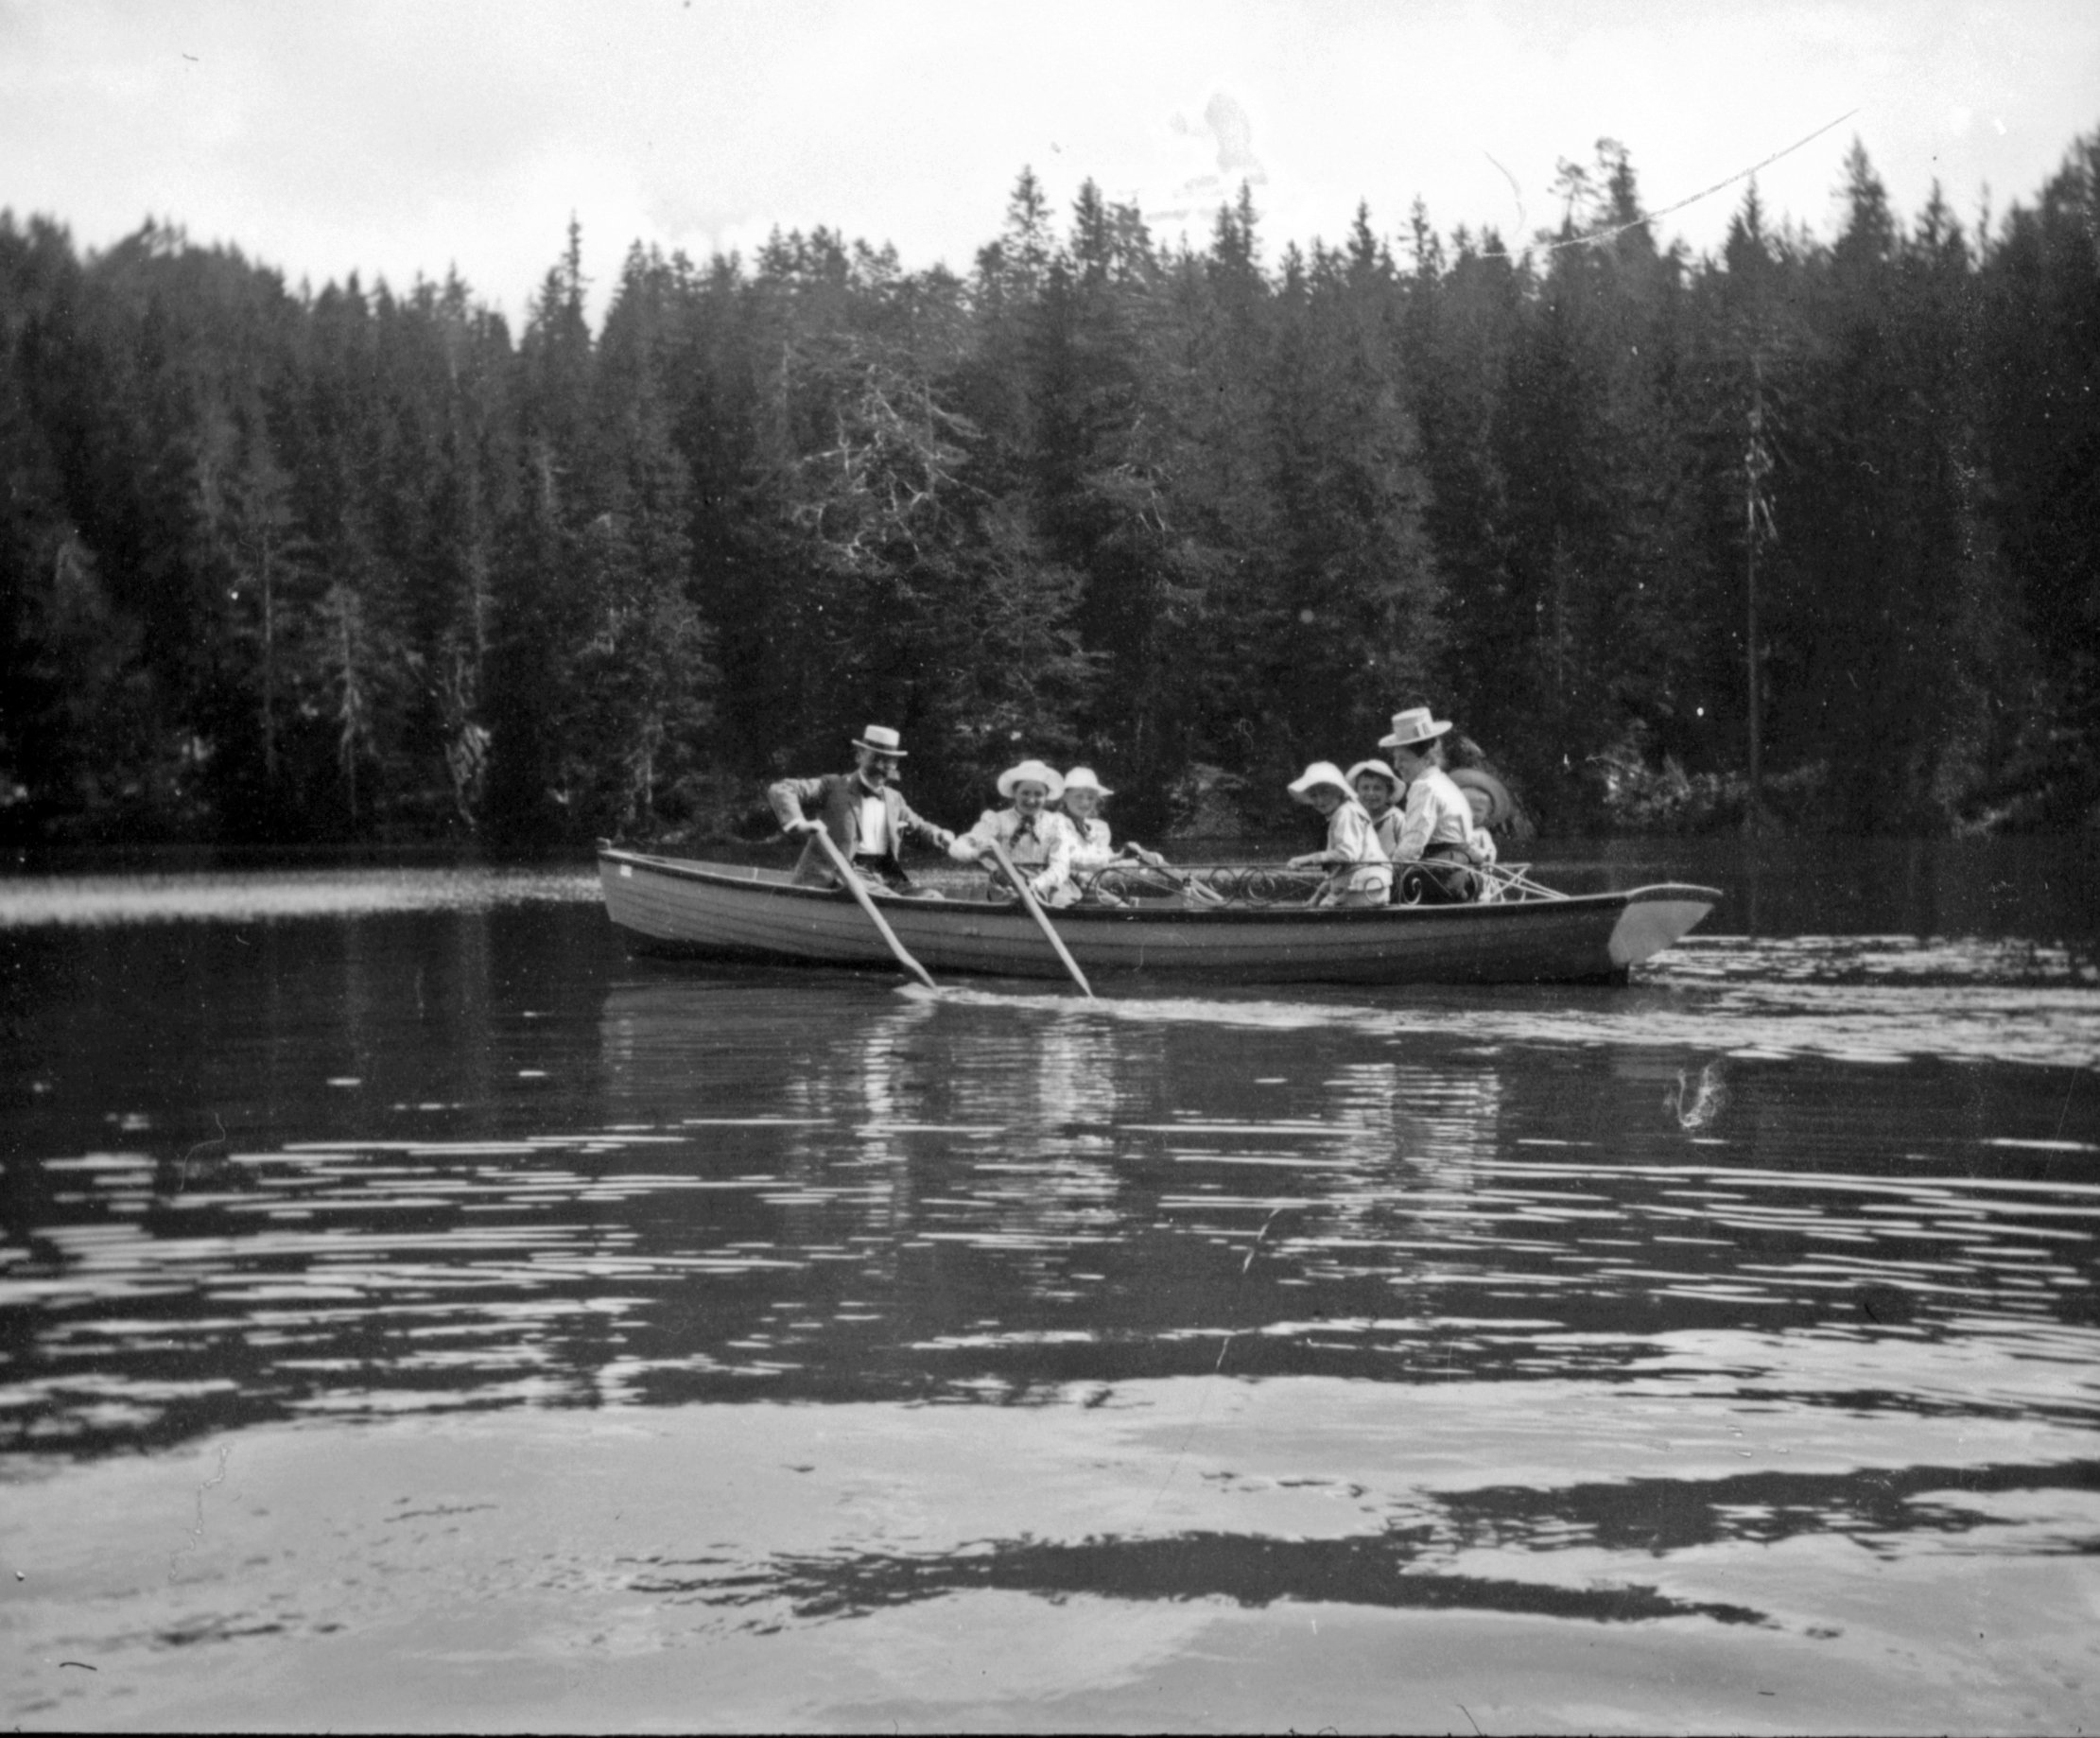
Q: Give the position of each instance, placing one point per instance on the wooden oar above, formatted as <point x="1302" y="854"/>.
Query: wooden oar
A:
<point x="1192" y="889"/>
<point x="1042" y="923"/>
<point x="851" y="880"/>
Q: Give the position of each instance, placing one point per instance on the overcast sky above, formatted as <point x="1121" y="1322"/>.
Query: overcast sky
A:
<point x="324" y="136"/>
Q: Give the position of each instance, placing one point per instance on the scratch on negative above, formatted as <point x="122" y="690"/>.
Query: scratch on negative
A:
<point x="1216" y="1369"/>
<point x="196" y="1531"/>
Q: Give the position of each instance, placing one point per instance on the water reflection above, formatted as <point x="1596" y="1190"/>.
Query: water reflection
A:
<point x="923" y="1199"/>
<point x="1350" y="1293"/>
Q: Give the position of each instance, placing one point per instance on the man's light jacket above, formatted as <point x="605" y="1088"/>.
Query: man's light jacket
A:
<point x="835" y="801"/>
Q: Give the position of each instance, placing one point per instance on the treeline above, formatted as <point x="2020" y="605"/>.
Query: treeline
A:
<point x="360" y="565"/>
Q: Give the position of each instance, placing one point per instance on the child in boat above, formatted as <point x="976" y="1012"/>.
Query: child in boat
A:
<point x="1379" y="789"/>
<point x="1359" y="872"/>
<point x="1092" y="848"/>
<point x="1442" y="843"/>
<point x="1037" y="839"/>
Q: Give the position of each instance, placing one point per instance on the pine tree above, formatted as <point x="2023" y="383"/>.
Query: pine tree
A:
<point x="2041" y="369"/>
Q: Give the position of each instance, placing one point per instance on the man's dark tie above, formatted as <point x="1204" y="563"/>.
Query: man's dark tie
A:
<point x="1026" y="830"/>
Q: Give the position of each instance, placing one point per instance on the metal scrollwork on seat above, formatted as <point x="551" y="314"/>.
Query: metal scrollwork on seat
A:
<point x="1207" y="886"/>
<point x="1258" y="883"/>
<point x="1118" y="885"/>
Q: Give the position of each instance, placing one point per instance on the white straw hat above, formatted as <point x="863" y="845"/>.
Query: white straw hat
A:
<point x="1081" y="778"/>
<point x="1413" y="725"/>
<point x="1382" y="770"/>
<point x="881" y="739"/>
<point x="1034" y="773"/>
<point x="1319" y="772"/>
<point x="1489" y="797"/>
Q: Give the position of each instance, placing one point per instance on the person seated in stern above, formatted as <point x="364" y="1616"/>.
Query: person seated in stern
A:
<point x="1359" y="873"/>
<point x="1092" y="849"/>
<point x="1037" y="840"/>
<point x="865" y="814"/>
<point x="1441" y="842"/>
<point x="1380" y="790"/>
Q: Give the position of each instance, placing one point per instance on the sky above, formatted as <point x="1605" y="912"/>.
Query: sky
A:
<point x="405" y="137"/>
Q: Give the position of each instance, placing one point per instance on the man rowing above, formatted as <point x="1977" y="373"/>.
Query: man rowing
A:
<point x="865" y="814"/>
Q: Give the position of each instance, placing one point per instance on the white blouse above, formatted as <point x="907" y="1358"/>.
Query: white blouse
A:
<point x="1364" y="868"/>
<point x="1048" y="849"/>
<point x="1388" y="826"/>
<point x="1091" y="848"/>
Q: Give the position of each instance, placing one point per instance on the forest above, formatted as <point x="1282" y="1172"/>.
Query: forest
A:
<point x="1803" y="535"/>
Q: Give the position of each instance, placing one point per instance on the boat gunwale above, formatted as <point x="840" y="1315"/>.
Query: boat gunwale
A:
<point x="723" y="877"/>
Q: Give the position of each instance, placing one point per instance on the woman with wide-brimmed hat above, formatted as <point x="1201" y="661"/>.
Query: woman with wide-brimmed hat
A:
<point x="1359" y="872"/>
<point x="1441" y="841"/>
<point x="1035" y="837"/>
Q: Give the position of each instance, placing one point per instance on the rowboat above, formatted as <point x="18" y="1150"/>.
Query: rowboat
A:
<point x="1259" y="931"/>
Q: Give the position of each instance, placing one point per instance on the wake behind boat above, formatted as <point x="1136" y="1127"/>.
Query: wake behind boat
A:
<point x="1261" y="931"/>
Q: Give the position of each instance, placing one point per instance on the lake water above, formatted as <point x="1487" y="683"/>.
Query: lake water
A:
<point x="415" y="1312"/>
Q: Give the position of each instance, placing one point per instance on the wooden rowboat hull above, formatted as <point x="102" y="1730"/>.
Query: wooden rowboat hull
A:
<point x="709" y="910"/>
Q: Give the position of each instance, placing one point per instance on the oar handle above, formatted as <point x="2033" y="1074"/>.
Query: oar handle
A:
<point x="850" y="879"/>
<point x="1050" y="933"/>
<point x="1197" y="893"/>
<point x="1180" y="877"/>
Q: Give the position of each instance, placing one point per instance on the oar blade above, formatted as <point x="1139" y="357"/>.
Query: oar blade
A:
<point x="852" y="883"/>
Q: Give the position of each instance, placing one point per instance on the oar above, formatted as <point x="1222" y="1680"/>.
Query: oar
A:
<point x="1042" y="923"/>
<point x="851" y="879"/>
<point x="1191" y="888"/>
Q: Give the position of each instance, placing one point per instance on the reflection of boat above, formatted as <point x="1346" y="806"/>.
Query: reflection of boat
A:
<point x="716" y="911"/>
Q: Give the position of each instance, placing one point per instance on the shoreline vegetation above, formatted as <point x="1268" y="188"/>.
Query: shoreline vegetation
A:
<point x="353" y="567"/>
